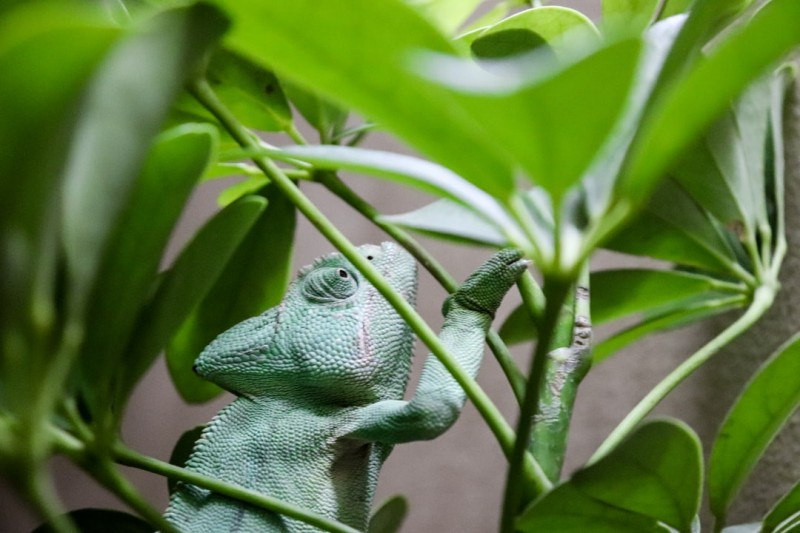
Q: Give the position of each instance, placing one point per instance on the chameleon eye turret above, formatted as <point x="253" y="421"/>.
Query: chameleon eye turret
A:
<point x="320" y="381"/>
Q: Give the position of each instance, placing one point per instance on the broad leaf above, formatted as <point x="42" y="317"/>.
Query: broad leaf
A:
<point x="759" y="413"/>
<point x="446" y="14"/>
<point x="656" y="472"/>
<point x="688" y="107"/>
<point x="559" y="27"/>
<point x="681" y="314"/>
<point x="323" y="116"/>
<point x="181" y="452"/>
<point x="674" y="228"/>
<point x="567" y="509"/>
<point x="186" y="283"/>
<point x="65" y="46"/>
<point x="113" y="134"/>
<point x="249" y="186"/>
<point x="253" y="280"/>
<point x="629" y="15"/>
<point x="408" y="170"/>
<point x="448" y="220"/>
<point x="102" y="521"/>
<point x="136" y="244"/>
<point x="542" y="116"/>
<point x="788" y="507"/>
<point x="390" y="516"/>
<point x="368" y="71"/>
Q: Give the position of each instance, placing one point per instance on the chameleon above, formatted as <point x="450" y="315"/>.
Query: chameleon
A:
<point x="319" y="383"/>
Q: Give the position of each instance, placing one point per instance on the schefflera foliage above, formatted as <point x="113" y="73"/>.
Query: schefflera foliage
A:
<point x="543" y="131"/>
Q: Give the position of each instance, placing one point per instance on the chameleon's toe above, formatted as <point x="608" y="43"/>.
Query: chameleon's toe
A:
<point x="485" y="288"/>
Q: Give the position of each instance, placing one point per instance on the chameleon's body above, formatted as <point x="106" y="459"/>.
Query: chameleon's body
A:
<point x="320" y="381"/>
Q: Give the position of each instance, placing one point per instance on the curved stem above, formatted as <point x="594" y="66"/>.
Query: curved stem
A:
<point x="762" y="300"/>
<point x="494" y="419"/>
<point x="40" y="493"/>
<point x="332" y="182"/>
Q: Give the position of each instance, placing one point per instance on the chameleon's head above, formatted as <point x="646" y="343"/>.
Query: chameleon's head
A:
<point x="333" y="338"/>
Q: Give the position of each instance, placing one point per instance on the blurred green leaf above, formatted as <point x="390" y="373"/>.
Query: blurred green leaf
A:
<point x="689" y="107"/>
<point x="545" y="120"/>
<point x="113" y="134"/>
<point x="448" y="15"/>
<point x="561" y="28"/>
<point x="673" y="228"/>
<point x="181" y="452"/>
<point x="325" y="117"/>
<point x="656" y="472"/>
<point x="368" y="71"/>
<point x="102" y="521"/>
<point x="253" y="280"/>
<point x="407" y="170"/>
<point x="629" y="15"/>
<point x="674" y="7"/>
<point x="567" y="509"/>
<point x="65" y="44"/>
<point x="186" y="283"/>
<point x="448" y="220"/>
<point x="389" y="516"/>
<point x="251" y="185"/>
<point x="518" y="327"/>
<point x="681" y="314"/>
<point x="788" y="507"/>
<point x="759" y="413"/>
<point x="136" y="243"/>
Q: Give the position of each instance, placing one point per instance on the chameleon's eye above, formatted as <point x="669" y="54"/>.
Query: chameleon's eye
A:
<point x="329" y="284"/>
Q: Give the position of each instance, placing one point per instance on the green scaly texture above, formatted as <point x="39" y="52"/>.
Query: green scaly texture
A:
<point x="319" y="382"/>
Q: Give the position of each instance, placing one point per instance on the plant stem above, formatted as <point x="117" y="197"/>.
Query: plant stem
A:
<point x="762" y="300"/>
<point x="567" y="364"/>
<point x="432" y="265"/>
<point x="107" y="474"/>
<point x="494" y="419"/>
<point x="555" y="292"/>
<point x="133" y="459"/>
<point x="40" y="493"/>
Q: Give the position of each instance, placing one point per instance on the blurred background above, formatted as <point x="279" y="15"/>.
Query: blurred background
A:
<point x="455" y="483"/>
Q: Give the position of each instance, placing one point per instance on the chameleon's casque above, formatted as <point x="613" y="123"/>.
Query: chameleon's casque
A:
<point x="319" y="383"/>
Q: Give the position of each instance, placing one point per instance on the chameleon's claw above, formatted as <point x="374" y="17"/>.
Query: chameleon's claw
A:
<point x="485" y="288"/>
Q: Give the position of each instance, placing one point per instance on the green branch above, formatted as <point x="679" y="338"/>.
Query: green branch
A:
<point x="494" y="419"/>
<point x="762" y="300"/>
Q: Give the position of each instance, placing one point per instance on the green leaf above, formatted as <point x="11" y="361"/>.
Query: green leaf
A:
<point x="545" y="120"/>
<point x="114" y="133"/>
<point x="788" y="507"/>
<point x="136" y="243"/>
<point x="683" y="313"/>
<point x="389" y="516"/>
<point x="674" y="228"/>
<point x="365" y="70"/>
<point x="186" y="283"/>
<point x="448" y="220"/>
<point x="561" y="28"/>
<point x="646" y="291"/>
<point x="656" y="472"/>
<point x="407" y="170"/>
<point x="518" y="327"/>
<point x="325" y="117"/>
<point x="629" y="15"/>
<point x="65" y="45"/>
<point x="759" y="413"/>
<point x="249" y="186"/>
<point x="685" y="110"/>
<point x="674" y="7"/>
<point x="446" y="14"/>
<point x="102" y="521"/>
<point x="253" y="280"/>
<point x="181" y="452"/>
<point x="566" y="509"/>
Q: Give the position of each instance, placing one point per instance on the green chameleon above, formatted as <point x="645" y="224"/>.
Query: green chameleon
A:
<point x="319" y="382"/>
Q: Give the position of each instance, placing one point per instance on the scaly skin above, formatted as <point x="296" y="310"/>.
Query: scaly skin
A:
<point x="320" y="381"/>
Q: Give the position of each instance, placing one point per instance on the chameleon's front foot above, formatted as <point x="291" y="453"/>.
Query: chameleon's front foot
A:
<point x="484" y="289"/>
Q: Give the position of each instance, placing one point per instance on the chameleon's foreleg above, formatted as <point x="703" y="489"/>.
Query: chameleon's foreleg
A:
<point x="439" y="399"/>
